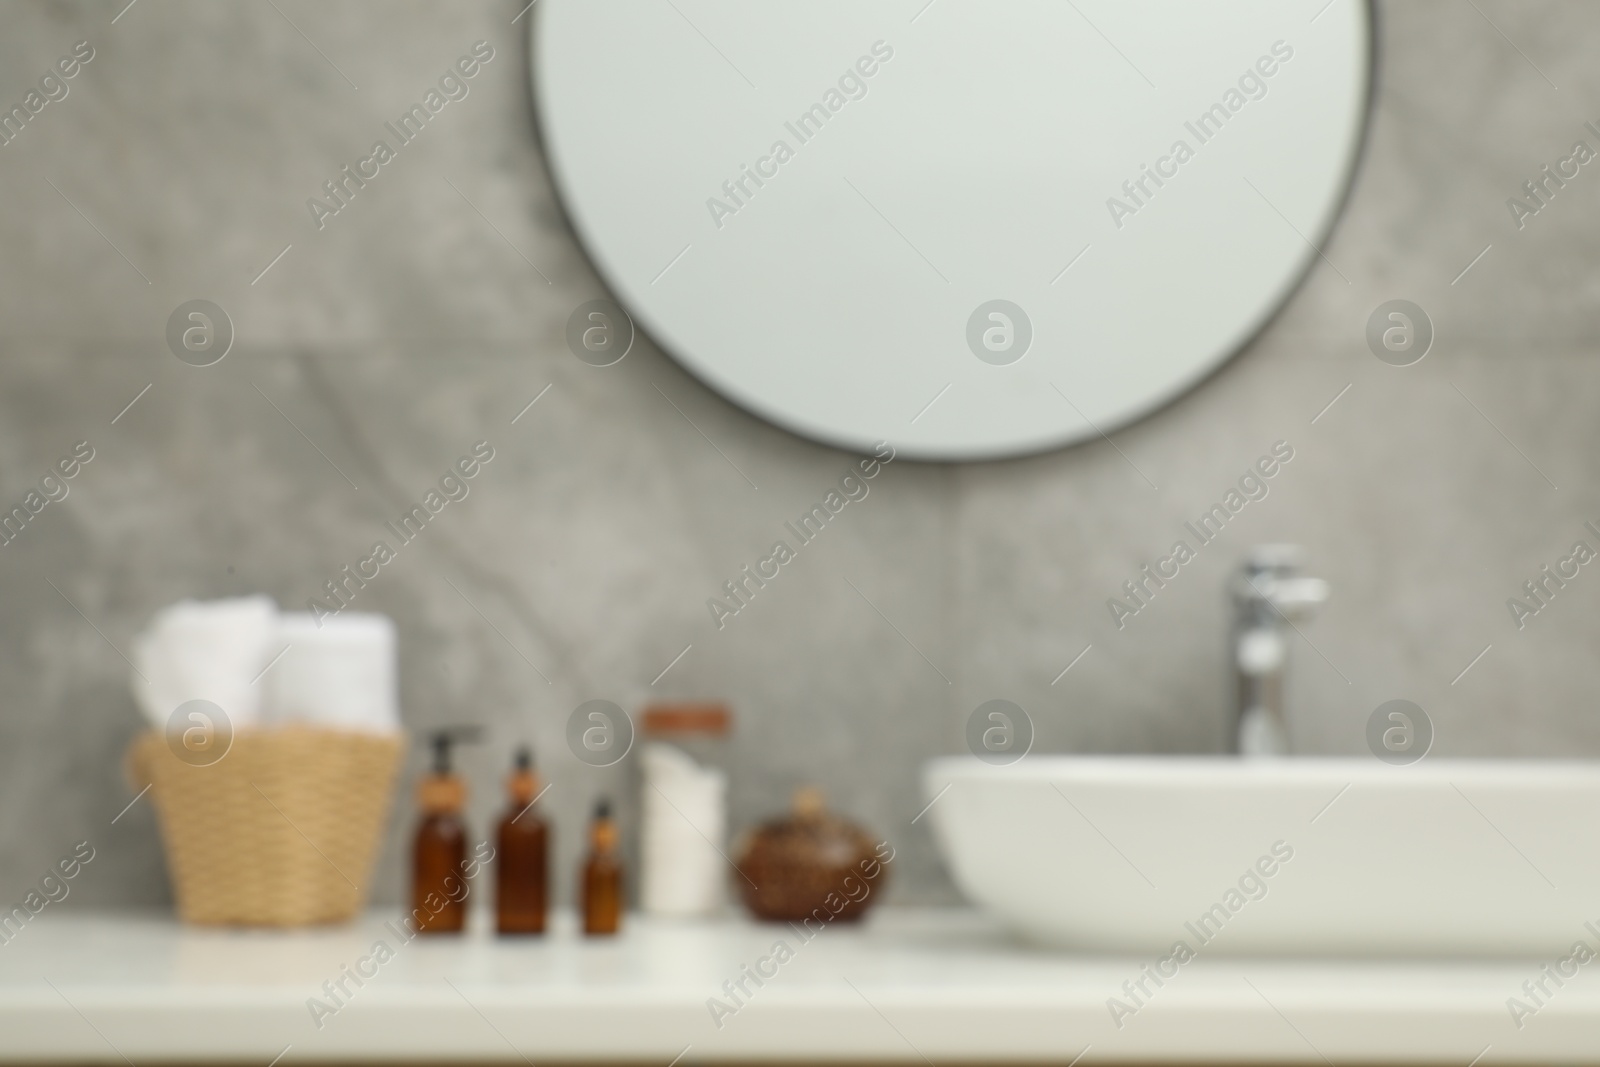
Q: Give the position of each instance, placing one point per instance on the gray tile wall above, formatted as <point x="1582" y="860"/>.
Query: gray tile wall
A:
<point x="423" y="318"/>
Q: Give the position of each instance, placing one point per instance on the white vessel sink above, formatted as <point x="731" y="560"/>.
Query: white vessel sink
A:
<point x="1324" y="856"/>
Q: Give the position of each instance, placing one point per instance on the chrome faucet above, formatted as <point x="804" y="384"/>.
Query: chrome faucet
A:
<point x="1269" y="596"/>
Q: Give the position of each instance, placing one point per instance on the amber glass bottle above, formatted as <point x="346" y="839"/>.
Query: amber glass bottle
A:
<point x="439" y="856"/>
<point x="602" y="875"/>
<point x="522" y="875"/>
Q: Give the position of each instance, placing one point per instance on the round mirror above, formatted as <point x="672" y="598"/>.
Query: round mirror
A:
<point x="973" y="230"/>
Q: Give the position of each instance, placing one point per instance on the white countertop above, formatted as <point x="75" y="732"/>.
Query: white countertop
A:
<point x="908" y="986"/>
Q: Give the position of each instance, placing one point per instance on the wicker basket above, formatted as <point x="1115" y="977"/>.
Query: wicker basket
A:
<point x="282" y="831"/>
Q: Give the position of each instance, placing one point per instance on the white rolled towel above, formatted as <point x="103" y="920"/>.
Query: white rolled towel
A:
<point x="213" y="650"/>
<point x="341" y="674"/>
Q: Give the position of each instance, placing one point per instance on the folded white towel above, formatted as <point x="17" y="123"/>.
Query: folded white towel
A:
<point x="339" y="674"/>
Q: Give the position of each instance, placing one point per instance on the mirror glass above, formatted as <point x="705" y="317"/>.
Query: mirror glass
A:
<point x="973" y="230"/>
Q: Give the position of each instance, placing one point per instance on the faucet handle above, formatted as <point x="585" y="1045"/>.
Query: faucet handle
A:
<point x="1295" y="596"/>
<point x="1271" y="575"/>
<point x="1275" y="559"/>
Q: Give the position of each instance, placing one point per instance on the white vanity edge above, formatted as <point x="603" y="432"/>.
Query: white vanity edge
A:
<point x="909" y="986"/>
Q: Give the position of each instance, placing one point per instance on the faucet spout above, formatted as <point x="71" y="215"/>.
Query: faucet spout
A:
<point x="1270" y="595"/>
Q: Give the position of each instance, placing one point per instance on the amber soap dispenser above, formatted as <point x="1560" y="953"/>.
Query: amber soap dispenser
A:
<point x="602" y="875"/>
<point x="439" y="853"/>
<point x="522" y="877"/>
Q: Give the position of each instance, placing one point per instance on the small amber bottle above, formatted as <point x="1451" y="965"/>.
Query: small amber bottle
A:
<point x="602" y="875"/>
<point x="439" y="856"/>
<point x="522" y="876"/>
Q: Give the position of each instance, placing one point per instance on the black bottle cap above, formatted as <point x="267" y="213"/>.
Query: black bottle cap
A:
<point x="602" y="808"/>
<point x="524" y="758"/>
<point x="442" y="739"/>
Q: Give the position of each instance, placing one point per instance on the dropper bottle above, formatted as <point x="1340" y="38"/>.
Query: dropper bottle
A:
<point x="602" y="875"/>
<point x="439" y="853"/>
<point x="522" y="874"/>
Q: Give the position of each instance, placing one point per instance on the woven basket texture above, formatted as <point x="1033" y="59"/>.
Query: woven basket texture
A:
<point x="283" y="830"/>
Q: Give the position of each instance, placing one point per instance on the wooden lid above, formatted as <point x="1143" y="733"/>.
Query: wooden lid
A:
<point x="807" y="802"/>
<point x="441" y="794"/>
<point x="707" y="719"/>
<point x="523" y="787"/>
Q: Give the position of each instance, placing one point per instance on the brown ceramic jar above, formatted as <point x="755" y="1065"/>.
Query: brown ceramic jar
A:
<point x="809" y="863"/>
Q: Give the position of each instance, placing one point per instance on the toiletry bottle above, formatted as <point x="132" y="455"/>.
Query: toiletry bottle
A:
<point x="522" y="880"/>
<point x="602" y="875"/>
<point x="439" y="855"/>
